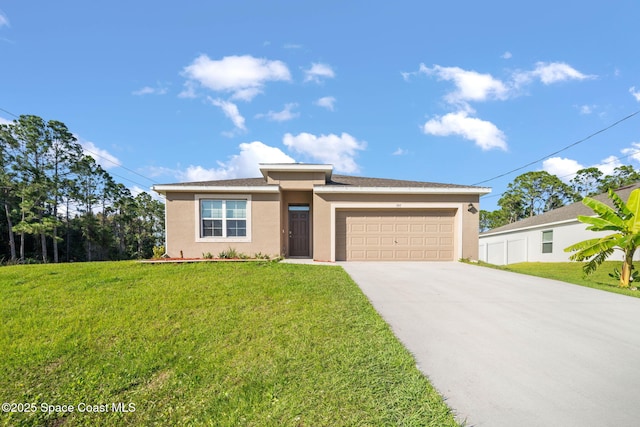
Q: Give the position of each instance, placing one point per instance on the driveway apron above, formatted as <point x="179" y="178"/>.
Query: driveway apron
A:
<point x="506" y="349"/>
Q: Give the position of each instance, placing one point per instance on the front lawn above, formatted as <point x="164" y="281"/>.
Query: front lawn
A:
<point x="224" y="344"/>
<point x="571" y="272"/>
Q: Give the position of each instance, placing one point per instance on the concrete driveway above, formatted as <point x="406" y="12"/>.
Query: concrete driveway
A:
<point x="511" y="350"/>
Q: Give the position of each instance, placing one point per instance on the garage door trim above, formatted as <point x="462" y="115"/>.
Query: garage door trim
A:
<point x="399" y="206"/>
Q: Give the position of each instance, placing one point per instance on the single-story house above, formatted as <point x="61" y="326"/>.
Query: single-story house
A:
<point x="304" y="210"/>
<point x="543" y="238"/>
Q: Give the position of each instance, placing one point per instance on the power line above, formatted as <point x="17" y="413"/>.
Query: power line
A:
<point x="561" y="150"/>
<point x="633" y="153"/>
<point x="104" y="158"/>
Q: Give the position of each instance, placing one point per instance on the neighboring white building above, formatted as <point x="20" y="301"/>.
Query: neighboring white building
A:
<point x="543" y="238"/>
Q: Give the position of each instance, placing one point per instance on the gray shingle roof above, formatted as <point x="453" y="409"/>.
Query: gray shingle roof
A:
<point x="239" y="182"/>
<point x="564" y="213"/>
<point x="336" y="180"/>
<point x="357" y="181"/>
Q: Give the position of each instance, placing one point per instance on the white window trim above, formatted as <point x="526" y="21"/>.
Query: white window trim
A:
<point x="215" y="239"/>
<point x="542" y="242"/>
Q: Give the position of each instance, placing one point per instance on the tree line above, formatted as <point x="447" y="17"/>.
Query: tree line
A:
<point x="59" y="205"/>
<point x="533" y="193"/>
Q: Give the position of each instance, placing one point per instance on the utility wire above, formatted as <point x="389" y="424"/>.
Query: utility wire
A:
<point x="574" y="173"/>
<point x="103" y="158"/>
<point x="561" y="150"/>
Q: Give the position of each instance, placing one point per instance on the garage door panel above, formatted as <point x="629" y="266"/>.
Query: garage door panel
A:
<point x="386" y="241"/>
<point x="372" y="241"/>
<point x="395" y="235"/>
<point x="446" y="241"/>
<point x="417" y="241"/>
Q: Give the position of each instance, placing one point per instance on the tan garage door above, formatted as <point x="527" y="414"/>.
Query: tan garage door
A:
<point x="379" y="235"/>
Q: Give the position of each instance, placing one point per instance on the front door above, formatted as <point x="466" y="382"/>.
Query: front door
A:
<point x="299" y="230"/>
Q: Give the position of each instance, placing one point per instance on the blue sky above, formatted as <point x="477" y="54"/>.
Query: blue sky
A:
<point x="454" y="92"/>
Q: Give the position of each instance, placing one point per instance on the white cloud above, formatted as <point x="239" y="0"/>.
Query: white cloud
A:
<point x="231" y="111"/>
<point x="566" y="169"/>
<point x="506" y="55"/>
<point x="4" y="121"/>
<point x="608" y="165"/>
<point x="470" y="85"/>
<point x="485" y="134"/>
<point x="189" y="90"/>
<point x="400" y="152"/>
<point x="636" y="94"/>
<point x="562" y="167"/>
<point x="406" y="75"/>
<point x="549" y="73"/>
<point x="148" y="90"/>
<point x="242" y="76"/>
<point x="473" y="86"/>
<point x="327" y="102"/>
<point x="282" y="116"/>
<point x="586" y="109"/>
<point x="4" y="21"/>
<point x="317" y="72"/>
<point x="338" y="150"/>
<point x="102" y="157"/>
<point x="242" y="165"/>
<point x="633" y="151"/>
<point x="292" y="46"/>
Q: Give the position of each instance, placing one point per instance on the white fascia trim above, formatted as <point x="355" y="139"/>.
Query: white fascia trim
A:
<point x="399" y="190"/>
<point x="215" y="189"/>
<point x="400" y="206"/>
<point x="532" y="227"/>
<point x="295" y="167"/>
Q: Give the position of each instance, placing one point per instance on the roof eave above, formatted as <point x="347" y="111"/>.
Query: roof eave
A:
<point x="530" y="227"/>
<point x="406" y="190"/>
<point x="164" y="189"/>
<point x="296" y="167"/>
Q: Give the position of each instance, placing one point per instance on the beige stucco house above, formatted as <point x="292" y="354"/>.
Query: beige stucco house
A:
<point x="304" y="210"/>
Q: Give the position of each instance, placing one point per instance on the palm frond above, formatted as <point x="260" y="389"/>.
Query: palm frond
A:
<point x="596" y="261"/>
<point x="633" y="204"/>
<point x="588" y="248"/>
<point x="621" y="206"/>
<point x="600" y="224"/>
<point x="605" y="212"/>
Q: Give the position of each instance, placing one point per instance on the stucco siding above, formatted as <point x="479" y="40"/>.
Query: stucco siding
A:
<point x="182" y="234"/>
<point x="326" y="204"/>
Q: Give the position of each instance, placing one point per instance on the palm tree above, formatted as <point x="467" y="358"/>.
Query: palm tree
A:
<point x="624" y="220"/>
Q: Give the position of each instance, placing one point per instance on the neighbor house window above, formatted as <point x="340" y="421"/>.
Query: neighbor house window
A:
<point x="223" y="218"/>
<point x="547" y="242"/>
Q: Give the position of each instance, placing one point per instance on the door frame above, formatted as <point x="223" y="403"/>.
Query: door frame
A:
<point x="299" y="207"/>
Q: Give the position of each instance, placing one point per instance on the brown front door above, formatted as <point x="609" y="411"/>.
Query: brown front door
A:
<point x="299" y="230"/>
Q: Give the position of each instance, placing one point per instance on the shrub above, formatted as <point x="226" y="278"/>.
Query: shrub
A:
<point x="230" y="253"/>
<point x="207" y="255"/>
<point x="158" y="252"/>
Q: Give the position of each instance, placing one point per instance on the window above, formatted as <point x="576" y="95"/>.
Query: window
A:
<point x="547" y="242"/>
<point x="223" y="218"/>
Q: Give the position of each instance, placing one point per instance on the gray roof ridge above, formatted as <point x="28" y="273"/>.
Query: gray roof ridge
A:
<point x="563" y="213"/>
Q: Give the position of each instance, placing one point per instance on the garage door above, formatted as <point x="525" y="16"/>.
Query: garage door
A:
<point x="368" y="235"/>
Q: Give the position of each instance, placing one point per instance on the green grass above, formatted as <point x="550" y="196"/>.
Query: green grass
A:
<point x="571" y="272"/>
<point x="223" y="344"/>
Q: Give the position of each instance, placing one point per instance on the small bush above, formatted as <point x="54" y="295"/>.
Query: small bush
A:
<point x="158" y="252"/>
<point x="230" y="253"/>
<point x="207" y="255"/>
<point x="260" y="255"/>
